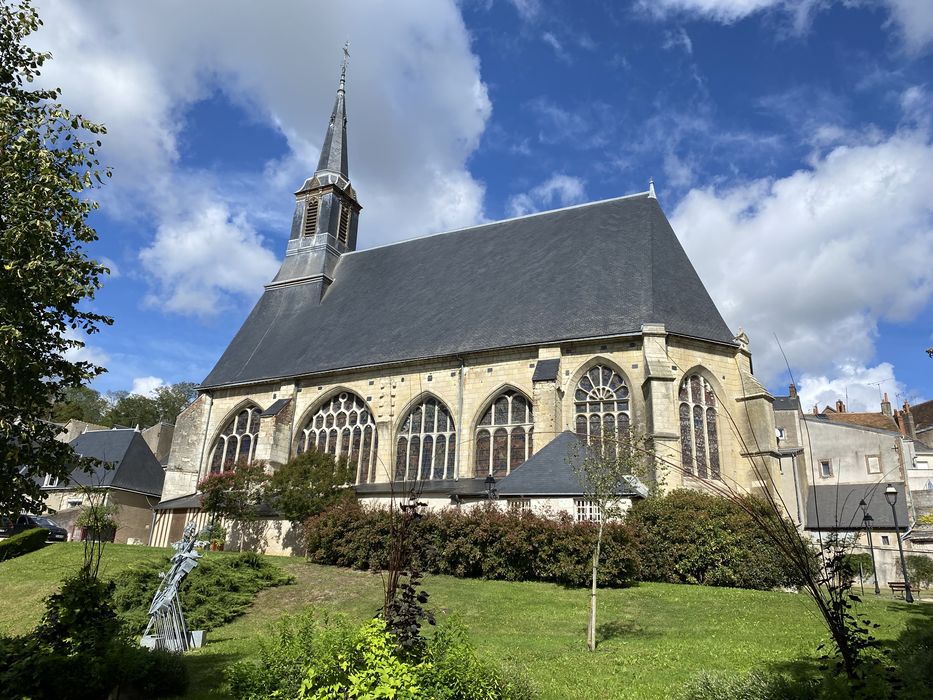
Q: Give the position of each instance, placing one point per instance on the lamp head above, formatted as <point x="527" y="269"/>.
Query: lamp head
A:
<point x="490" y="481"/>
<point x="890" y="495"/>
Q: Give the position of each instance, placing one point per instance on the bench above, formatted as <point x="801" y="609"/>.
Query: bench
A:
<point x="901" y="587"/>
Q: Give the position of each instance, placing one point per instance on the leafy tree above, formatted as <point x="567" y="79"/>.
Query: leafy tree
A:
<point x="80" y="403"/>
<point x="235" y="494"/>
<point x="307" y="485"/>
<point x="48" y="162"/>
<point x="919" y="570"/>
<point x="172" y="399"/>
<point x="605" y="466"/>
<point x="131" y="410"/>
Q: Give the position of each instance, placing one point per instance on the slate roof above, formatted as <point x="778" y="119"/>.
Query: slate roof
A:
<point x="786" y="403"/>
<point x="136" y="468"/>
<point x="599" y="269"/>
<point x="546" y="370"/>
<point x="839" y="509"/>
<point x="549" y="472"/>
<point x="923" y="415"/>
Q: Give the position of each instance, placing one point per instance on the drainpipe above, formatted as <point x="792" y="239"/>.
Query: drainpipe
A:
<point x="459" y="420"/>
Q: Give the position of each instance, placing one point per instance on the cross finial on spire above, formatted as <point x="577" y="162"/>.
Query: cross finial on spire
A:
<point x="651" y="193"/>
<point x="346" y="61"/>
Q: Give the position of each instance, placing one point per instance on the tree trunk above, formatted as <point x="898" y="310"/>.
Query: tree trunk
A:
<point x="591" y="628"/>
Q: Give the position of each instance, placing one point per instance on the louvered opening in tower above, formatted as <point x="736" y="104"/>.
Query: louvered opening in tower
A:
<point x="343" y="231"/>
<point x="311" y="211"/>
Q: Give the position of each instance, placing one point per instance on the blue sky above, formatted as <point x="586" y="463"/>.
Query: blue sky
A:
<point x="790" y="143"/>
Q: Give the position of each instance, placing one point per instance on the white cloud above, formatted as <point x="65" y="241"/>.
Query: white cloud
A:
<point x="559" y="189"/>
<point x="112" y="266"/>
<point x="417" y="109"/>
<point x="552" y="41"/>
<point x="678" y="38"/>
<point x="527" y="9"/>
<point x="819" y="257"/>
<point x="146" y="386"/>
<point x="203" y="257"/>
<point x="85" y="352"/>
<point x="859" y="387"/>
<point x="912" y="19"/>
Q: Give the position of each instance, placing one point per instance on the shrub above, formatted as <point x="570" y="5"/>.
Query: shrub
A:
<point x="919" y="569"/>
<point x="863" y="560"/>
<point x="219" y="590"/>
<point x="23" y="543"/>
<point x="479" y="543"/>
<point x="311" y="657"/>
<point x="694" y="537"/>
<point x="752" y="686"/>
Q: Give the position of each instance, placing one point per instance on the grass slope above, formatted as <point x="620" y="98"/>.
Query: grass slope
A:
<point x="653" y="637"/>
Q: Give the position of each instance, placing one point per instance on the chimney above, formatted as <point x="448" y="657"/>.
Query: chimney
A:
<point x="905" y="420"/>
<point x="840" y="407"/>
<point x="793" y="391"/>
<point x="816" y="409"/>
<point x="886" y="406"/>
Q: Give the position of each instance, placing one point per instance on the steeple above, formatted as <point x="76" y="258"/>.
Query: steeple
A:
<point x="334" y="152"/>
<point x="326" y="209"/>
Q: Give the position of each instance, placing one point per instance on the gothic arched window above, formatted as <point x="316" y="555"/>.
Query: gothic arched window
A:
<point x="601" y="401"/>
<point x="699" y="437"/>
<point x="237" y="441"/>
<point x="343" y="427"/>
<point x="426" y="444"/>
<point x="504" y="435"/>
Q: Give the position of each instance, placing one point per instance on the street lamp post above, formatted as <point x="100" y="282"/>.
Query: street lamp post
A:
<point x="890" y="495"/>
<point x="867" y="519"/>
<point x="491" y="492"/>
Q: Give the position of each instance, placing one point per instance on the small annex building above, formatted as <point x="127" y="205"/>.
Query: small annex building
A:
<point x="461" y="355"/>
<point x="128" y="475"/>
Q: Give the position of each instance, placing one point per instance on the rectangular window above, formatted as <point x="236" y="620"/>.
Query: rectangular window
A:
<point x="50" y="481"/>
<point x="826" y="468"/>
<point x="520" y="505"/>
<point x="921" y="464"/>
<point x="74" y="502"/>
<point x="885" y="539"/>
<point x="873" y="463"/>
<point x="780" y="433"/>
<point x="586" y="510"/>
<point x="343" y="232"/>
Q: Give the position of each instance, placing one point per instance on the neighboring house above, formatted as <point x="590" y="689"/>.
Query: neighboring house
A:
<point x="834" y="459"/>
<point x="129" y="476"/>
<point x="74" y="427"/>
<point x="460" y="355"/>
<point x="159" y="439"/>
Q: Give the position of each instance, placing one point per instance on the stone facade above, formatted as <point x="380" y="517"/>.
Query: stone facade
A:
<point x="652" y="364"/>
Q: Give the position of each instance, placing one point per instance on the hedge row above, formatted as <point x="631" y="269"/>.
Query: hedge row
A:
<point x="478" y="543"/>
<point x="684" y="537"/>
<point x="23" y="543"/>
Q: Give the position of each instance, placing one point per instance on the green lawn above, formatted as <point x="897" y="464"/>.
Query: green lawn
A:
<point x="653" y="637"/>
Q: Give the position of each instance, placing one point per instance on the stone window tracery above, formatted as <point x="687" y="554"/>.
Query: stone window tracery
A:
<point x="699" y="436"/>
<point x="504" y="435"/>
<point x="426" y="444"/>
<point x="345" y="428"/>
<point x="237" y="440"/>
<point x="601" y="402"/>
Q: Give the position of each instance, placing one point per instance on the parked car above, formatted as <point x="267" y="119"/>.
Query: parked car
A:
<point x="9" y="527"/>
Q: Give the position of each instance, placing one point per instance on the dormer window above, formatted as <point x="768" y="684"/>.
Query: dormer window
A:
<point x="312" y="207"/>
<point x="50" y="481"/>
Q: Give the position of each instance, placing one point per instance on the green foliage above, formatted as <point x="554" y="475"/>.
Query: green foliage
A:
<point x="22" y="543"/>
<point x="479" y="543"/>
<point x="693" y="537"/>
<point x="308" y="484"/>
<point x="321" y="657"/>
<point x="919" y="569"/>
<point x="926" y="519"/>
<point x="80" y="403"/>
<point x="863" y="559"/>
<point x="220" y="589"/>
<point x="755" y="685"/>
<point x="79" y="651"/>
<point x="48" y="161"/>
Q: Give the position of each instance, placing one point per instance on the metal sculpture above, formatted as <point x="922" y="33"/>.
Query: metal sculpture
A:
<point x="167" y="628"/>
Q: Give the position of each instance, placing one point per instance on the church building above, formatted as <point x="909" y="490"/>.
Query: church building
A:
<point x="462" y="355"/>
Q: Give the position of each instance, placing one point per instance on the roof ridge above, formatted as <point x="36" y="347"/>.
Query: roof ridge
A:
<point x="498" y="221"/>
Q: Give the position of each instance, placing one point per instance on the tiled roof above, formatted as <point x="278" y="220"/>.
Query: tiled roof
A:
<point x="134" y="466"/>
<point x="595" y="270"/>
<point x="923" y="415"/>
<point x="880" y="421"/>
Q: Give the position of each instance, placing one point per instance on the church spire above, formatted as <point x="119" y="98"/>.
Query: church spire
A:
<point x="334" y="151"/>
<point x="326" y="209"/>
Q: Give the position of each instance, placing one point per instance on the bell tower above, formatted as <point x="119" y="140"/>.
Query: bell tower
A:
<point x="326" y="209"/>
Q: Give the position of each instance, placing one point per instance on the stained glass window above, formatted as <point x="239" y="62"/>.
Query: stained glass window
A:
<point x="699" y="437"/>
<point x="427" y="443"/>
<point x="343" y="427"/>
<point x="601" y="401"/>
<point x="504" y="435"/>
<point x="237" y="440"/>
